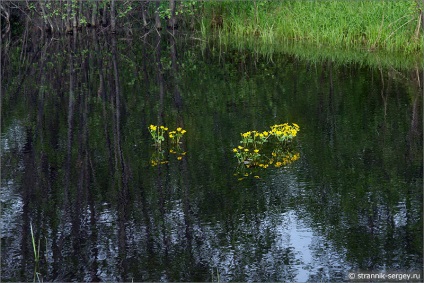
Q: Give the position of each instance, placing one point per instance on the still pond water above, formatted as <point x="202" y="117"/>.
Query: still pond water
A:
<point x="77" y="164"/>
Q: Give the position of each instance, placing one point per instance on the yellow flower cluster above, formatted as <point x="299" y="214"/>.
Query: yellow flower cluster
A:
<point x="284" y="131"/>
<point x="158" y="135"/>
<point x="177" y="134"/>
<point x="252" y="153"/>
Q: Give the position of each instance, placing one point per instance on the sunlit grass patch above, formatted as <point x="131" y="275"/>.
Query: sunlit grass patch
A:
<point x="392" y="26"/>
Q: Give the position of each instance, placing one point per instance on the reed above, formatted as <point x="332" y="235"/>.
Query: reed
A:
<point x="36" y="249"/>
<point x="392" y="26"/>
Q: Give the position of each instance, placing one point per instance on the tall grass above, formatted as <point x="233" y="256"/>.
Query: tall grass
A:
<point x="392" y="26"/>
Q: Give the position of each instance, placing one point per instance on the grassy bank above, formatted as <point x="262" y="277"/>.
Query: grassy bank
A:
<point x="378" y="25"/>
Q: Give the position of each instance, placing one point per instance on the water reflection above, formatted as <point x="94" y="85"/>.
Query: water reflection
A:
<point x="76" y="150"/>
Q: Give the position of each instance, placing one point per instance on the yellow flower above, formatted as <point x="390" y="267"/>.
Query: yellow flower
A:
<point x="183" y="131"/>
<point x="179" y="129"/>
<point x="240" y="147"/>
<point x="179" y="157"/>
<point x="246" y="149"/>
<point x="265" y="133"/>
<point x="152" y="127"/>
<point x="235" y="150"/>
<point x="257" y="177"/>
<point x="256" y="150"/>
<point x="246" y="134"/>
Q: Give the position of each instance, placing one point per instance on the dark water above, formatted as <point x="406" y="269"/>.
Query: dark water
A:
<point x="76" y="164"/>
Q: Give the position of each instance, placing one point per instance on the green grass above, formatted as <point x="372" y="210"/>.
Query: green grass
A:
<point x="372" y="25"/>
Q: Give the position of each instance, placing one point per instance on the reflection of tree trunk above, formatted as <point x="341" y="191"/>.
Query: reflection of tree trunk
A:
<point x="94" y="14"/>
<point x="121" y="173"/>
<point x="160" y="80"/>
<point x="47" y="26"/>
<point x="172" y="23"/>
<point x="144" y="14"/>
<point x="331" y="106"/>
<point x="414" y="134"/>
<point x="177" y="94"/>
<point x="70" y="121"/>
<point x="74" y="17"/>
<point x="158" y="24"/>
<point x="160" y="174"/>
<point x="94" y="251"/>
<point x="28" y="182"/>
<point x="68" y="16"/>
<point x="112" y="17"/>
<point x="5" y="14"/>
<point x="384" y="97"/>
<point x="104" y="15"/>
<point x="101" y="93"/>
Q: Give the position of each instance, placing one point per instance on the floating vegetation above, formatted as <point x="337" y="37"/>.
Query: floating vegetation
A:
<point x="158" y="135"/>
<point x="259" y="150"/>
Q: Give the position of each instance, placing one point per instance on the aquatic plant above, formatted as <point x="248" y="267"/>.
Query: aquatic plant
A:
<point x="284" y="133"/>
<point x="158" y="134"/>
<point x="253" y="154"/>
<point x="36" y="254"/>
<point x="176" y="135"/>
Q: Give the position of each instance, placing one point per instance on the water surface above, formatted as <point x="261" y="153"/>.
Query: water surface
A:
<point x="76" y="164"/>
